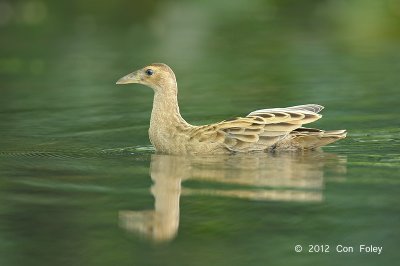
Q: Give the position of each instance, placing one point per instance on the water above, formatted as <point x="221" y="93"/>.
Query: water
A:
<point x="81" y="185"/>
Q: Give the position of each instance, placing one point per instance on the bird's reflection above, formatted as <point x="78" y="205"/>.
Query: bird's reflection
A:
<point x="276" y="177"/>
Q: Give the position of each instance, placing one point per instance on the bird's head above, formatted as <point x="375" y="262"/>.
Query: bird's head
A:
<point x="157" y="76"/>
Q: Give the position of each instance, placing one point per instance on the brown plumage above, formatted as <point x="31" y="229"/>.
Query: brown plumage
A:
<point x="261" y="130"/>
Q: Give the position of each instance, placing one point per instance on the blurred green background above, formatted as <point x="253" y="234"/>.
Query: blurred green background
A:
<point x="74" y="149"/>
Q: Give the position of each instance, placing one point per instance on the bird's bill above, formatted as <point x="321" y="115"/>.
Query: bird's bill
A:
<point x="130" y="78"/>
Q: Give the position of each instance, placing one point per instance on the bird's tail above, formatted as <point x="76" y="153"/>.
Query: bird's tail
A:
<point x="312" y="138"/>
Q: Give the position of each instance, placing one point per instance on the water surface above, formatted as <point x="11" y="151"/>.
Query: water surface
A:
<point x="81" y="185"/>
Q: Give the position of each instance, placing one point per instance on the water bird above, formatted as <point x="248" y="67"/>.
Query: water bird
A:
<point x="262" y="130"/>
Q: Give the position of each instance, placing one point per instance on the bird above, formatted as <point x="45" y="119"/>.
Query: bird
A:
<point x="265" y="130"/>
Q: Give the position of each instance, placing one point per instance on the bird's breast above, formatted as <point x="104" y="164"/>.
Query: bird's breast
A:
<point x="168" y="139"/>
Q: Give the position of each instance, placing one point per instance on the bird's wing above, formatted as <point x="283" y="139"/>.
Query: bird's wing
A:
<point x="260" y="129"/>
<point x="306" y="109"/>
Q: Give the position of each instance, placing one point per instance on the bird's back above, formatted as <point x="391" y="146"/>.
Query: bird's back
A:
<point x="263" y="130"/>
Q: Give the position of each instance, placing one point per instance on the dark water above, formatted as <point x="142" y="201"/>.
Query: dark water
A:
<point x="81" y="185"/>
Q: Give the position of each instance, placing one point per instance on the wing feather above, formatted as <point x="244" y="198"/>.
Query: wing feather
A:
<point x="259" y="130"/>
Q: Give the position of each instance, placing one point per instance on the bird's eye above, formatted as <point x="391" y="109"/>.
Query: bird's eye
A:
<point x="149" y="72"/>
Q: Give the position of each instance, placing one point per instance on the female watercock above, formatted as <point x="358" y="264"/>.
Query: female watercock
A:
<point x="261" y="130"/>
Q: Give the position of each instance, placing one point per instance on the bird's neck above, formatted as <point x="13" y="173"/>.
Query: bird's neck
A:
<point x="165" y="114"/>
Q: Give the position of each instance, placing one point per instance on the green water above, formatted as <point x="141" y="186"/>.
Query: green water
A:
<point x="81" y="185"/>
